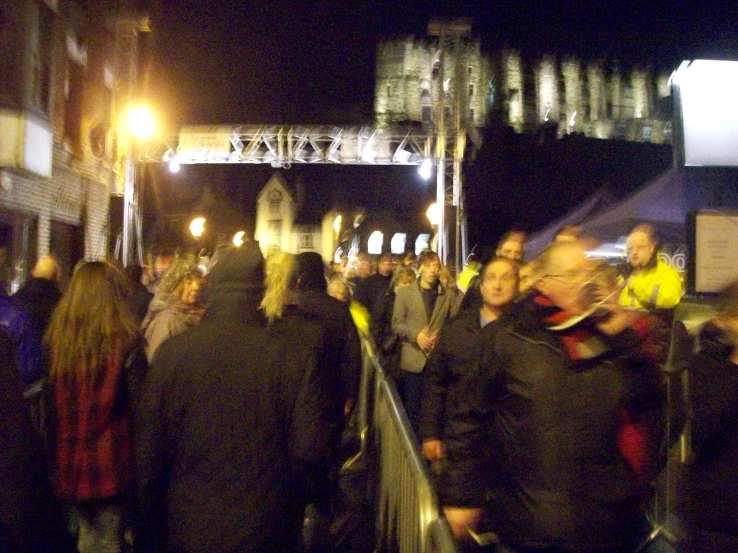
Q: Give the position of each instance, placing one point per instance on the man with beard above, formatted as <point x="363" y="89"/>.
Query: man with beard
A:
<point x="651" y="284"/>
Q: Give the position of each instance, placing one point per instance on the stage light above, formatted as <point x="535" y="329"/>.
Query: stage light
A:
<point x="425" y="168"/>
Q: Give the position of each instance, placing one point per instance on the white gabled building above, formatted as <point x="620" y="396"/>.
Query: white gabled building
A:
<point x="278" y="227"/>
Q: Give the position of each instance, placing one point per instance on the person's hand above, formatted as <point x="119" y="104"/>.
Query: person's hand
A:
<point x="617" y="320"/>
<point x="426" y="340"/>
<point x="433" y="449"/>
<point x="461" y="519"/>
<point x="348" y="406"/>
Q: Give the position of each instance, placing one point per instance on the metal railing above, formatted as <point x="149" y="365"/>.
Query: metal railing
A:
<point x="408" y="518"/>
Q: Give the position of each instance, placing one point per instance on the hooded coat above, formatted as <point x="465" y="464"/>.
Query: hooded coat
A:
<point x="235" y="432"/>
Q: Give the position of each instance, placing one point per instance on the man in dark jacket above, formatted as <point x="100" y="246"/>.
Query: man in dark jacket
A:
<point x="30" y="517"/>
<point x="41" y="293"/>
<point x="30" y="310"/>
<point x="343" y="348"/>
<point x="235" y="432"/>
<point x="548" y="419"/>
<point x="447" y="365"/>
<point x="368" y="289"/>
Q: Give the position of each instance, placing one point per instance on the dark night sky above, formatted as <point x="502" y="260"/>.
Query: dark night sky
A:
<point x="278" y="61"/>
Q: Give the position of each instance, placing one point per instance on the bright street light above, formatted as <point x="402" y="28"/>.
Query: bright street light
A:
<point x="197" y="226"/>
<point x="433" y="214"/>
<point x="238" y="238"/>
<point x="337" y="223"/>
<point x="424" y="170"/>
<point x="174" y="165"/>
<point x="140" y="123"/>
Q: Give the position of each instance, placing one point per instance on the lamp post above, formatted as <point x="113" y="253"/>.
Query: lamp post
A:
<point x="433" y="214"/>
<point x="139" y="125"/>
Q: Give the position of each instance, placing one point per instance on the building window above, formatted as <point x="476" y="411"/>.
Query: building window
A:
<point x="471" y="91"/>
<point x="375" y="242"/>
<point x="389" y="90"/>
<point x="275" y="201"/>
<point x="422" y="243"/>
<point x="397" y="244"/>
<point x="306" y="242"/>
<point x="469" y="69"/>
<point x="426" y="114"/>
<point x="41" y="92"/>
<point x="471" y="115"/>
<point x="73" y="108"/>
<point x="275" y="228"/>
<point x="273" y="248"/>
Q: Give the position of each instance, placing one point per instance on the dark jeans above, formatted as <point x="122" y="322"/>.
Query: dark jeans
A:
<point x="410" y="388"/>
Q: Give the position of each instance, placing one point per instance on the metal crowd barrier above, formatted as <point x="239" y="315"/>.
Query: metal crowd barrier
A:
<point x="408" y="516"/>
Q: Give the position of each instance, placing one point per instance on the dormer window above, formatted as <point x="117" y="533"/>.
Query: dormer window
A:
<point x="275" y="201"/>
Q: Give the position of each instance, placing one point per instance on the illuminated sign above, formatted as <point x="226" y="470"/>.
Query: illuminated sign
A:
<point x="708" y="102"/>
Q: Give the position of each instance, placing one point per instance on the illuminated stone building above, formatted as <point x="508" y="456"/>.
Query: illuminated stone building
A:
<point x="596" y="98"/>
<point x="57" y="78"/>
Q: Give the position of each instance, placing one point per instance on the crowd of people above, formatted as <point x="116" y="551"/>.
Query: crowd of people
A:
<point x="211" y="410"/>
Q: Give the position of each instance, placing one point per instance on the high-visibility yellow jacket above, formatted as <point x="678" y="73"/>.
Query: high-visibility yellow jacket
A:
<point x="470" y="271"/>
<point x="660" y="287"/>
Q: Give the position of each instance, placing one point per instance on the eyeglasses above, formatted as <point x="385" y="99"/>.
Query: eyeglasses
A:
<point x="570" y="276"/>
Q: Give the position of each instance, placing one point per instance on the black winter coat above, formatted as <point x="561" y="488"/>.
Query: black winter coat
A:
<point x="449" y="361"/>
<point x="710" y="493"/>
<point x="539" y="433"/>
<point x="342" y="343"/>
<point x="235" y="433"/>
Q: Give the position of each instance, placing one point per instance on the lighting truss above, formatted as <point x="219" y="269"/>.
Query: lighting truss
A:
<point x="283" y="146"/>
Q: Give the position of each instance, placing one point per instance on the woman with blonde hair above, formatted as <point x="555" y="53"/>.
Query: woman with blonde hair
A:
<point x="280" y="285"/>
<point x="95" y="372"/>
<point x="176" y="306"/>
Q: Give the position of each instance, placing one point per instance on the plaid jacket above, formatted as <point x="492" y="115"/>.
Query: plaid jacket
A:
<point x="92" y="435"/>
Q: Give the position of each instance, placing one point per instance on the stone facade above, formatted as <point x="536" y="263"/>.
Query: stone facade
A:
<point x="595" y="98"/>
<point x="63" y="79"/>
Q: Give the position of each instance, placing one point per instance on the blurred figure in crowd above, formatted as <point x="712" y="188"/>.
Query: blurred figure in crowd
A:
<point x="96" y="369"/>
<point x="162" y="262"/>
<point x="386" y="341"/>
<point x="448" y="363"/>
<point x="510" y="246"/>
<point x="141" y="296"/>
<point x="177" y="304"/>
<point x="26" y="315"/>
<point x="30" y="518"/>
<point x="343" y="348"/>
<point x="651" y="284"/>
<point x="236" y="430"/>
<point x="559" y="420"/>
<point x="420" y="311"/>
<point x="368" y="290"/>
<point x="710" y="489"/>
<point x="339" y="289"/>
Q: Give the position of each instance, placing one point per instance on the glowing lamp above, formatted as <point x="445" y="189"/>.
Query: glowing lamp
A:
<point x="197" y="226"/>
<point x="140" y="122"/>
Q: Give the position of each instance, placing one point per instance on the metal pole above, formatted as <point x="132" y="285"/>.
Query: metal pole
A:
<point x="441" y="156"/>
<point x="129" y="185"/>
